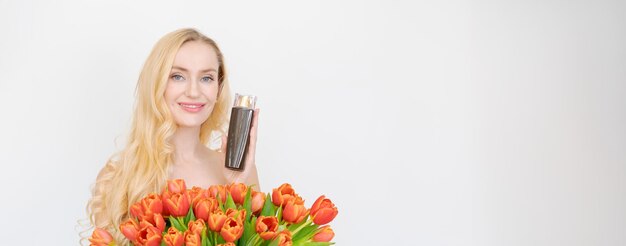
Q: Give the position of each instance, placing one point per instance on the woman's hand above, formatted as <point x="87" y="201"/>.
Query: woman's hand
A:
<point x="249" y="175"/>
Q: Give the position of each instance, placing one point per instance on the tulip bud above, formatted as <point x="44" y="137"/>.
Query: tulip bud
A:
<point x="173" y="237"/>
<point x="204" y="207"/>
<point x="196" y="226"/>
<point x="232" y="230"/>
<point x="130" y="229"/>
<point x="218" y="190"/>
<point x="156" y="221"/>
<point x="323" y="211"/>
<point x="282" y="194"/>
<point x="176" y="186"/>
<point x="100" y="237"/>
<point x="149" y="235"/>
<point x="177" y="204"/>
<point x="258" y="200"/>
<point x="284" y="238"/>
<point x="192" y="239"/>
<point x="266" y="227"/>
<point x="238" y="192"/>
<point x="294" y="211"/>
<point x="216" y="220"/>
<point x="227" y="244"/>
<point x="236" y="214"/>
<point x="325" y="234"/>
<point x="195" y="194"/>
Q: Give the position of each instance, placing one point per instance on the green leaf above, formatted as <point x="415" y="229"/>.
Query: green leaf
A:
<point x="205" y="239"/>
<point x="279" y="214"/>
<point x="248" y="231"/>
<point x="273" y="242"/>
<point x="293" y="227"/>
<point x="229" y="202"/>
<point x="190" y="216"/>
<point x="247" y="204"/>
<point x="176" y="224"/>
<point x="268" y="207"/>
<point x="219" y="202"/>
<point x="248" y="228"/>
<point x="306" y="233"/>
<point x="220" y="240"/>
<point x="211" y="236"/>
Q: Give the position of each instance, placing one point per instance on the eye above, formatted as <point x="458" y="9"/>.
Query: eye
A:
<point x="207" y="79"/>
<point x="177" y="77"/>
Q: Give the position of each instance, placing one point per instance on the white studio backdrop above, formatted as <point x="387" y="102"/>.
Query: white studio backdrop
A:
<point x="426" y="122"/>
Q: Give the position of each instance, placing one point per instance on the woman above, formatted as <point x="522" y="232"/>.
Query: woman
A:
<point x="182" y="98"/>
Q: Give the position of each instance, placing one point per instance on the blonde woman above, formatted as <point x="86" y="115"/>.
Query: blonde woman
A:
<point x="182" y="98"/>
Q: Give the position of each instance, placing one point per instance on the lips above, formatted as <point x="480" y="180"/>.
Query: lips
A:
<point x="192" y="107"/>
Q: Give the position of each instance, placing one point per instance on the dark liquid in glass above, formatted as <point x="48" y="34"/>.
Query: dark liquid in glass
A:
<point x="238" y="137"/>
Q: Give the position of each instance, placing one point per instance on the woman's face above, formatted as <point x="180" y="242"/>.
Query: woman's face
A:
<point x="192" y="85"/>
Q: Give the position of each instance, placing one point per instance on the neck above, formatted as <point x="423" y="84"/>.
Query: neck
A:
<point x="187" y="144"/>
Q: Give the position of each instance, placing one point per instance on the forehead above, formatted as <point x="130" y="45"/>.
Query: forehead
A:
<point x="196" y="55"/>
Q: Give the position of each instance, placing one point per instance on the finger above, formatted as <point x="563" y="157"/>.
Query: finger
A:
<point x="253" y="131"/>
<point x="255" y="123"/>
<point x="256" y="117"/>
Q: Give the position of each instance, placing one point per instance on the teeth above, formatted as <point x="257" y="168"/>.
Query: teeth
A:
<point x="190" y="106"/>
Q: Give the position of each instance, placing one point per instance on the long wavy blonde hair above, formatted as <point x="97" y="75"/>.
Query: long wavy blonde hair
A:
<point x="142" y="166"/>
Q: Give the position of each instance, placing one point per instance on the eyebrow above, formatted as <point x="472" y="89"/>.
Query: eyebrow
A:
<point x="203" y="71"/>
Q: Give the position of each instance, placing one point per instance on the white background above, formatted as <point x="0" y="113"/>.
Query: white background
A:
<point x="427" y="123"/>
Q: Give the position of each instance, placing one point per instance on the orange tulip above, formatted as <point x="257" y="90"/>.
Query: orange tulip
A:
<point x="173" y="237"/>
<point x="100" y="237"/>
<point x="227" y="244"/>
<point x="266" y="227"/>
<point x="236" y="214"/>
<point x="238" y="192"/>
<point x="164" y="196"/>
<point x="323" y="211"/>
<point x="147" y="207"/>
<point x="204" y="207"/>
<point x="216" y="220"/>
<point x="284" y="238"/>
<point x="130" y="229"/>
<point x="325" y="234"/>
<point x="215" y="190"/>
<point x="176" y="186"/>
<point x="283" y="194"/>
<point x="177" y="204"/>
<point x="157" y="221"/>
<point x="258" y="200"/>
<point x="192" y="239"/>
<point x="232" y="230"/>
<point x="149" y="236"/>
<point x="136" y="210"/>
<point x="196" y="226"/>
<point x="294" y="211"/>
<point x="195" y="194"/>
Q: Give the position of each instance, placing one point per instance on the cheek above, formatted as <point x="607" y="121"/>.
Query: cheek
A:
<point x="170" y="93"/>
<point x="210" y="92"/>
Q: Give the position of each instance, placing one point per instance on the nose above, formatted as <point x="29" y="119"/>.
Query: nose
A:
<point x="192" y="89"/>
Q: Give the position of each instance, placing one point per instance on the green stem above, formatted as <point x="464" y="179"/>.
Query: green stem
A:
<point x="300" y="227"/>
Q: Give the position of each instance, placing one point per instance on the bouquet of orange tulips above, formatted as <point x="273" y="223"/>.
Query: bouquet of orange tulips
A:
<point x="225" y="215"/>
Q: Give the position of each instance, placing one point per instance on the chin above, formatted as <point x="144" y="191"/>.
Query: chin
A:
<point x="189" y="123"/>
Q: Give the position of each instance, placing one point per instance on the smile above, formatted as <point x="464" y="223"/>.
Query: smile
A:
<point x="192" y="107"/>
